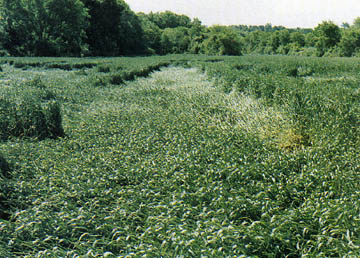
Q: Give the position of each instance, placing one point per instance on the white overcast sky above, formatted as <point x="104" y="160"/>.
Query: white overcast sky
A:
<point x="289" y="13"/>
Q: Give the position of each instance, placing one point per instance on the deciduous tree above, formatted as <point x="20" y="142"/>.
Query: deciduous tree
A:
<point x="350" y="42"/>
<point x="357" y="22"/>
<point x="328" y="35"/>
<point x="175" y="40"/>
<point x="152" y="34"/>
<point x="44" y="27"/>
<point x="114" y="29"/>
<point x="169" y="19"/>
<point x="221" y="40"/>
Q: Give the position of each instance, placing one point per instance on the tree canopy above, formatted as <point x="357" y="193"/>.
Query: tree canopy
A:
<point x="328" y="34"/>
<point x="44" y="27"/>
<point x="350" y="42"/>
<point x="169" y="19"/>
<point x="111" y="28"/>
<point x="114" y="29"/>
<point x="221" y="40"/>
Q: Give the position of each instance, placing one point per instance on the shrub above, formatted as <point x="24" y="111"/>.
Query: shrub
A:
<point x="332" y="52"/>
<point x="307" y="51"/>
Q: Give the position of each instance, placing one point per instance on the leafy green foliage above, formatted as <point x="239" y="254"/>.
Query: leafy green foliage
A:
<point x="174" y="40"/>
<point x="169" y="19"/>
<point x="44" y="28"/>
<point x="328" y="34"/>
<point x="220" y="40"/>
<point x="356" y="23"/>
<point x="152" y="34"/>
<point x="110" y="28"/>
<point x="327" y="39"/>
<point x="114" y="29"/>
<point x="169" y="33"/>
<point x="350" y="42"/>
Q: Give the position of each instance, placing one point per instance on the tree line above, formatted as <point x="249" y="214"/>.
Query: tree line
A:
<point x="326" y="39"/>
<point x="111" y="28"/>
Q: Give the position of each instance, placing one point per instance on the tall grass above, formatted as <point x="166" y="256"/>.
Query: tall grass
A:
<point x="29" y="110"/>
<point x="4" y="190"/>
<point x="4" y="166"/>
<point x="247" y="160"/>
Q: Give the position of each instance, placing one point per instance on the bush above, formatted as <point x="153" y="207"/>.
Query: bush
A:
<point x="308" y="51"/>
<point x="357" y="54"/>
<point x="333" y="52"/>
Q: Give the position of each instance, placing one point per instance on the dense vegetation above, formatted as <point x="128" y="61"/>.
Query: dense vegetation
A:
<point x="175" y="155"/>
<point x="256" y="157"/>
<point x="29" y="109"/>
<point x="110" y="28"/>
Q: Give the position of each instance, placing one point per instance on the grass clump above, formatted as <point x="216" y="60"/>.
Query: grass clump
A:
<point x="104" y="69"/>
<point x="4" y="189"/>
<point x="30" y="118"/>
<point x="30" y="109"/>
<point x="117" y="79"/>
<point x="4" y="167"/>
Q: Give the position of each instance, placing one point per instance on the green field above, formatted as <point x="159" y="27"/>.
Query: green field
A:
<point x="180" y="156"/>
